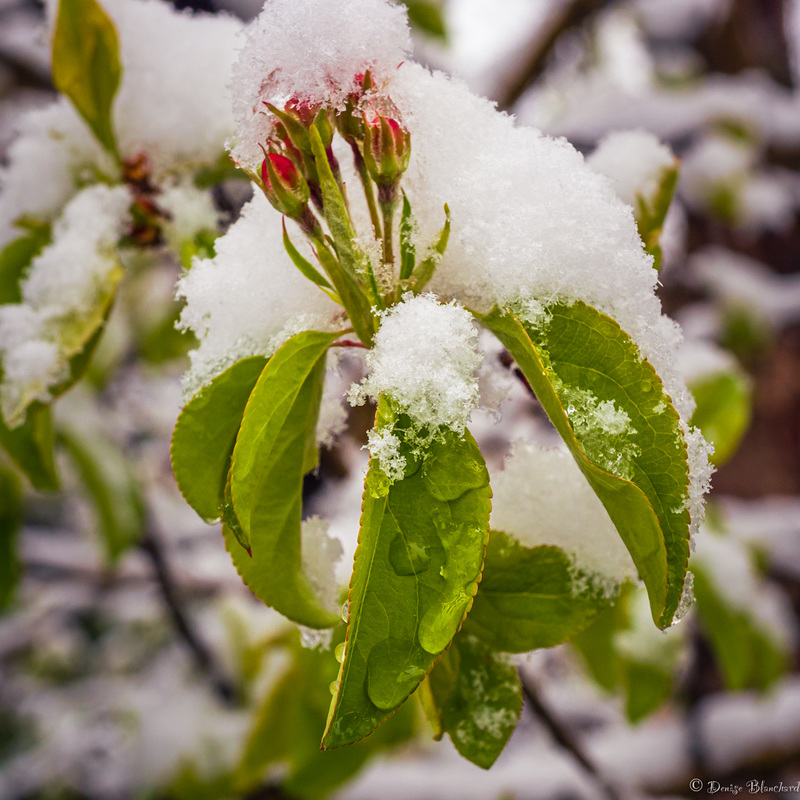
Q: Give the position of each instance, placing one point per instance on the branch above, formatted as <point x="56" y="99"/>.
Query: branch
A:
<point x="563" y="737"/>
<point x="572" y="15"/>
<point x="203" y="656"/>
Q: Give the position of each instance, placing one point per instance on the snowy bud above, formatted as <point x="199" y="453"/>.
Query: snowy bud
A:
<point x="297" y="117"/>
<point x="284" y="185"/>
<point x="387" y="148"/>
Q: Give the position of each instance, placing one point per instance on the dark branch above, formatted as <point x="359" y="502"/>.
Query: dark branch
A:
<point x="563" y="737"/>
<point x="202" y="655"/>
<point x="573" y="15"/>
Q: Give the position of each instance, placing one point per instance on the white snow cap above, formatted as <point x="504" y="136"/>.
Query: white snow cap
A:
<point x="635" y="161"/>
<point x="426" y="360"/>
<point x="541" y="498"/>
<point x="250" y="298"/>
<point x="312" y="51"/>
<point x="61" y="287"/>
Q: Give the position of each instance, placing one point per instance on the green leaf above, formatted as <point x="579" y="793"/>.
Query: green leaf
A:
<point x="748" y="656"/>
<point x="530" y="597"/>
<point x="10" y="513"/>
<point x="86" y="65"/>
<point x="479" y="699"/>
<point x="344" y="275"/>
<point x="584" y="369"/>
<point x="407" y="253"/>
<point x="15" y="257"/>
<point x="425" y="269"/>
<point x="269" y="460"/>
<point x="596" y="645"/>
<point x="287" y="729"/>
<point x="30" y="445"/>
<point x="204" y="436"/>
<point x="427" y="16"/>
<point x="114" y="492"/>
<point x="647" y="686"/>
<point x="724" y="408"/>
<point x="651" y="214"/>
<point x="417" y="567"/>
<point x="305" y="266"/>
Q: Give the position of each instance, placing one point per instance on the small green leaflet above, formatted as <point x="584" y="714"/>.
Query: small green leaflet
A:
<point x="529" y="597"/>
<point x="427" y="16"/>
<point x="113" y="490"/>
<point x="478" y="698"/>
<point x="15" y="258"/>
<point x="650" y="217"/>
<point x="579" y="361"/>
<point x="204" y="436"/>
<point x="10" y="513"/>
<point x="30" y="445"/>
<point x="724" y="407"/>
<point x="287" y="727"/>
<point x="408" y="256"/>
<point x="749" y="656"/>
<point x="270" y="457"/>
<point x="417" y="567"/>
<point x="86" y="65"/>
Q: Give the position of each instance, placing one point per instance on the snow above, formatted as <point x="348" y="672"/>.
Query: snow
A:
<point x="344" y="37"/>
<point x="541" y="498"/>
<point x="191" y="210"/>
<point x="425" y="359"/>
<point x="320" y="554"/>
<point x="59" y="288"/>
<point x="250" y="298"/>
<point x="635" y="161"/>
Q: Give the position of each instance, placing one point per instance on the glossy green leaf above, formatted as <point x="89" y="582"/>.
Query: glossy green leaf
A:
<point x="596" y="645"/>
<point x="749" y="657"/>
<point x="530" y="597"/>
<point x="10" y="513"/>
<point x="287" y="731"/>
<point x="15" y="257"/>
<point x="86" y="64"/>
<point x="204" y="436"/>
<point x="115" y="494"/>
<point x="479" y="698"/>
<point x="579" y="362"/>
<point x="30" y="445"/>
<point x="724" y="408"/>
<point x="305" y="266"/>
<point x="270" y="457"/>
<point x="417" y="567"/>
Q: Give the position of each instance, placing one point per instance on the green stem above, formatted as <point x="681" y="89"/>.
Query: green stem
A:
<point x="387" y="198"/>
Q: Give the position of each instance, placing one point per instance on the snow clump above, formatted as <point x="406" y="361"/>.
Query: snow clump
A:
<point x="541" y="498"/>
<point x="426" y="361"/>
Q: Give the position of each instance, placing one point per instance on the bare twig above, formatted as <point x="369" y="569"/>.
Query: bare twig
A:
<point x="203" y="656"/>
<point x="572" y="15"/>
<point x="563" y="737"/>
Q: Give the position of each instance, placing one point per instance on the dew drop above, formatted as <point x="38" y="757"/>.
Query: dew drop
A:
<point x="346" y="611"/>
<point x="334" y="687"/>
<point x="339" y="652"/>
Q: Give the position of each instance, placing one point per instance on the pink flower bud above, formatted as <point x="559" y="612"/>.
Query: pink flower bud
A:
<point x="284" y="185"/>
<point x="387" y="148"/>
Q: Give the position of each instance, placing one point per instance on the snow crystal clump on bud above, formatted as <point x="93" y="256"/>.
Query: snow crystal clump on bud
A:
<point x="250" y="298"/>
<point x="312" y="51"/>
<point x="425" y="360"/>
<point x="62" y="285"/>
<point x="635" y="161"/>
<point x="542" y="498"/>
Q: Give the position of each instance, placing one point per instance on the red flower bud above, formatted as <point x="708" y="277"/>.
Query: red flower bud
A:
<point x="284" y="185"/>
<point x="387" y="148"/>
<point x="297" y="116"/>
